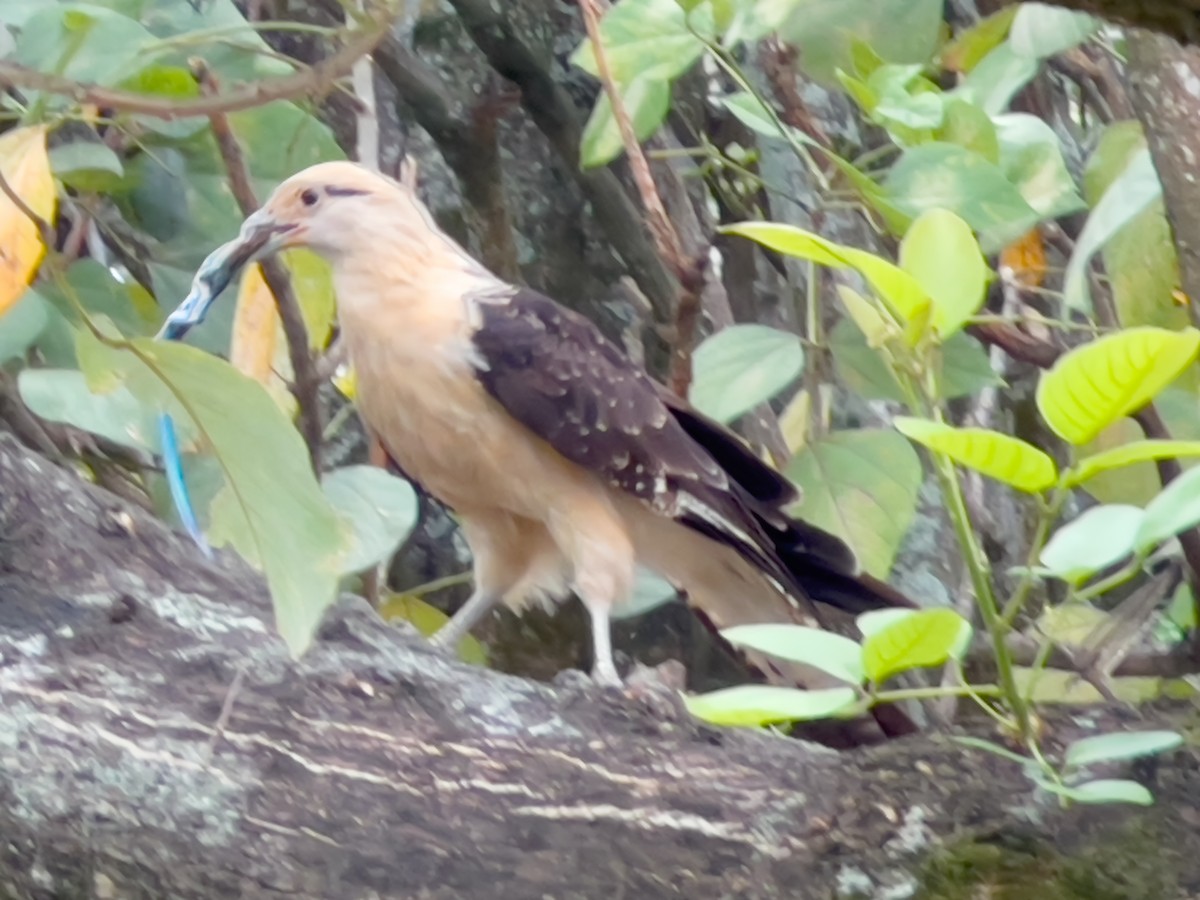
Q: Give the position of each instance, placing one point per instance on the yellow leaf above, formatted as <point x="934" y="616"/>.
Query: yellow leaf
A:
<point x="920" y="641"/>
<point x="427" y="619"/>
<point x="346" y="381"/>
<point x="1000" y="456"/>
<point x="26" y="168"/>
<point x="870" y="321"/>
<point x="1097" y="384"/>
<point x="1129" y="454"/>
<point x="793" y="421"/>
<point x="256" y="328"/>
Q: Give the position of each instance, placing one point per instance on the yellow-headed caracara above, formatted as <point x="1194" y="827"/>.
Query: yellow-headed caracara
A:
<point x="565" y="463"/>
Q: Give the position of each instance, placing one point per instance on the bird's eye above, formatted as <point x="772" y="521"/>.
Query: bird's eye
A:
<point x="309" y="197"/>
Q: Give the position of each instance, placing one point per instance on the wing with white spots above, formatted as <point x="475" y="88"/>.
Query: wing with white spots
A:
<point x="554" y="372"/>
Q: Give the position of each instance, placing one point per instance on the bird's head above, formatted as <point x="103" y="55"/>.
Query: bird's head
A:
<point x="331" y="208"/>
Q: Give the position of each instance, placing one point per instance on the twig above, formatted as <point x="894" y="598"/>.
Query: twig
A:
<point x="314" y="81"/>
<point x="305" y="383"/>
<point x="45" y="229"/>
<point x="690" y="272"/>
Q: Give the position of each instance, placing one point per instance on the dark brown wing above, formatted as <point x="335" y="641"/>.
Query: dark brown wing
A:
<point x="554" y="372"/>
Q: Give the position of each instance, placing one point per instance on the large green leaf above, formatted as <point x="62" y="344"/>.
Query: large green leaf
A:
<point x="861" y="485"/>
<point x="921" y="640"/>
<point x="271" y="508"/>
<point x="946" y="176"/>
<point x="1102" y="536"/>
<point x="1140" y="258"/>
<point x="1031" y="158"/>
<point x="62" y="395"/>
<point x="832" y="653"/>
<point x="760" y="704"/>
<point x="742" y="366"/>
<point x="82" y="41"/>
<point x="1174" y="510"/>
<point x="1000" y="456"/>
<point x="825" y="31"/>
<point x="378" y="508"/>
<point x="1040" y="30"/>
<point x="940" y="251"/>
<point x="1127" y="196"/>
<point x="995" y="80"/>
<point x="646" y="101"/>
<point x="648" y="39"/>
<point x="21" y="324"/>
<point x="1094" y="385"/>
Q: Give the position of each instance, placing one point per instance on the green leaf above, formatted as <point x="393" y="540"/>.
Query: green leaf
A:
<point x="878" y="619"/>
<point x="945" y="176"/>
<point x="940" y="251"/>
<point x="755" y="704"/>
<point x="1096" y="384"/>
<point x="1174" y="510"/>
<point x="861" y="485"/>
<point x="1040" y="30"/>
<point x="1000" y="456"/>
<point x="832" y="653"/>
<point x="92" y="284"/>
<point x="21" y="325"/>
<point x="647" y="102"/>
<point x="969" y="127"/>
<point x="648" y="39"/>
<point x="86" y="165"/>
<point x="970" y="47"/>
<point x="751" y="112"/>
<point x="922" y="640"/>
<point x="1127" y="455"/>
<point x="989" y="747"/>
<point x="1105" y="790"/>
<point x="996" y="79"/>
<point x="83" y="42"/>
<point x="62" y="395"/>
<point x="742" y="366"/>
<point x="900" y="290"/>
<point x="379" y="509"/>
<point x="1125" y="745"/>
<point x="1140" y="259"/>
<point x="1031" y="158"/>
<point x="1100" y="537"/>
<point x="826" y="31"/>
<point x="271" y="509"/>
<point x="1127" y="196"/>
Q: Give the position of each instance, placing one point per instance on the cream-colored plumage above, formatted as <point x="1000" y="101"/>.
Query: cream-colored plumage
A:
<point x="561" y="459"/>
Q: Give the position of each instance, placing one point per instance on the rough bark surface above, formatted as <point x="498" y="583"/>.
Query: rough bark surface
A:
<point x="373" y="768"/>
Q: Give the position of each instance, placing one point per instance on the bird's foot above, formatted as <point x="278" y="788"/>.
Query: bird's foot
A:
<point x="604" y="673"/>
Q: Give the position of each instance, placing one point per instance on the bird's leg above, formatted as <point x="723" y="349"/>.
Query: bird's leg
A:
<point x="477" y="606"/>
<point x="604" y="670"/>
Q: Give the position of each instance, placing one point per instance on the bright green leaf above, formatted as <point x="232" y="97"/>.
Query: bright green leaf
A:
<point x="832" y="653"/>
<point x="647" y="39"/>
<point x="1127" y="455"/>
<point x="742" y="366"/>
<point x="922" y="640"/>
<point x="996" y="79"/>
<point x="378" y="508"/>
<point x="1094" y="385"/>
<point x="646" y="101"/>
<point x="1100" y="537"/>
<point x="1000" y="456"/>
<point x="755" y="704"/>
<point x="1105" y="790"/>
<point x="861" y="485"/>
<point x="1123" y="745"/>
<point x="878" y="619"/>
<point x="970" y="47"/>
<point x="940" y="251"/>
<point x="271" y="509"/>
<point x="895" y="286"/>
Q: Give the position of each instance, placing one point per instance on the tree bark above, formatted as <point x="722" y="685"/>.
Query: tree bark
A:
<point x="374" y="768"/>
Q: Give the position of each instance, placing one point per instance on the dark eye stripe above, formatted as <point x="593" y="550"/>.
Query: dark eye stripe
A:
<point x="344" y="192"/>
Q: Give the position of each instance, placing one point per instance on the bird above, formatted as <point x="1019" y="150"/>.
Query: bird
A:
<point x="566" y="464"/>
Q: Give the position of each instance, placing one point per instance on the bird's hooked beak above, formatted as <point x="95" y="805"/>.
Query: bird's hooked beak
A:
<point x="261" y="235"/>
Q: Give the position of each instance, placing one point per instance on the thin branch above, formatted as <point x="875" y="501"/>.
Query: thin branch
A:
<point x="45" y="229"/>
<point x="305" y="383"/>
<point x="690" y="272"/>
<point x="314" y="81"/>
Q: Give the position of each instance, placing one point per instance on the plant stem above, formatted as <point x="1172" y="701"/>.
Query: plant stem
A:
<point x="1047" y="516"/>
<point x="937" y="692"/>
